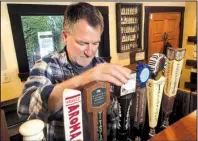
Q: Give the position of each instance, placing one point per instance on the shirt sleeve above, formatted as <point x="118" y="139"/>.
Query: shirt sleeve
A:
<point x="33" y="103"/>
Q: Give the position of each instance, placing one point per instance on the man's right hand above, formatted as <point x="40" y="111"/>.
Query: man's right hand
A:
<point x="112" y="73"/>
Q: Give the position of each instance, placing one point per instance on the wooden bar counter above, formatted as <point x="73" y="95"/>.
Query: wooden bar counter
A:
<point x="183" y="130"/>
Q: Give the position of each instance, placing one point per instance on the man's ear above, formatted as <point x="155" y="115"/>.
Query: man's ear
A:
<point x="64" y="36"/>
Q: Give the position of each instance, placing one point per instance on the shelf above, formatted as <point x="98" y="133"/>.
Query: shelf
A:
<point x="129" y="21"/>
<point x="125" y="42"/>
<point x="130" y="32"/>
<point x="129" y="14"/>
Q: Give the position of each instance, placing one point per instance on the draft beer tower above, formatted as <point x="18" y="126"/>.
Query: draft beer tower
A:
<point x="174" y="66"/>
<point x="96" y="98"/>
<point x="85" y="114"/>
<point x="124" y="107"/>
<point x="155" y="87"/>
<point x="143" y="74"/>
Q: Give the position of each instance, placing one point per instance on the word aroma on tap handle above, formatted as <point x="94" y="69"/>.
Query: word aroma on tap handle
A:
<point x="72" y="110"/>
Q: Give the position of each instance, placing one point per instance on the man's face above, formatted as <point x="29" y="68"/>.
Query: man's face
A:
<point x="82" y="43"/>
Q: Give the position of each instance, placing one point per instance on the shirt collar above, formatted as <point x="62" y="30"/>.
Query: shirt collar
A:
<point x="64" y="59"/>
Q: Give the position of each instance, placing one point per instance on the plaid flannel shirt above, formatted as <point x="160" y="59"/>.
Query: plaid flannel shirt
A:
<point x="44" y="75"/>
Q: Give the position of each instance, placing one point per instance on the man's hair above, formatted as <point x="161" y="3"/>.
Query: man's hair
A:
<point x="85" y="11"/>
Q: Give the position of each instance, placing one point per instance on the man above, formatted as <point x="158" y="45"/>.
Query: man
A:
<point x="72" y="68"/>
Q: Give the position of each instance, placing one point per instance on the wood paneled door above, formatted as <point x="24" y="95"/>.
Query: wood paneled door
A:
<point x="160" y="23"/>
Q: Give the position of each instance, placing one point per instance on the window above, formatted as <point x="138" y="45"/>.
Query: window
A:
<point x="42" y="35"/>
<point x="37" y="31"/>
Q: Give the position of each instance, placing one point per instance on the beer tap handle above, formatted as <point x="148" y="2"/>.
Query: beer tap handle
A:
<point x="152" y="132"/>
<point x="165" y="123"/>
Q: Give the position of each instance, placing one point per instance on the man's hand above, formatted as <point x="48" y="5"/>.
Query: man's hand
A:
<point x="112" y="73"/>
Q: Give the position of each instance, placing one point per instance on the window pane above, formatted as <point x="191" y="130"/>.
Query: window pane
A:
<point x="42" y="35"/>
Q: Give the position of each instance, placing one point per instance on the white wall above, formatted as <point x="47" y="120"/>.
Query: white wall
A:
<point x="9" y="50"/>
